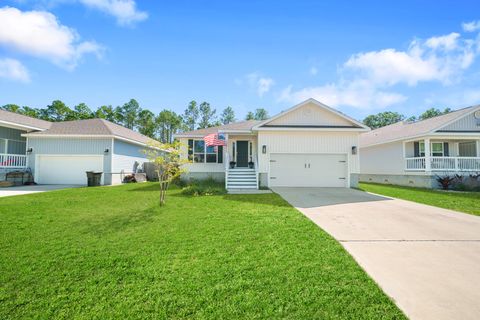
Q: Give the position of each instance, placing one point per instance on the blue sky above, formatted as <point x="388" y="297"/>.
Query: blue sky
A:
<point x="359" y="57"/>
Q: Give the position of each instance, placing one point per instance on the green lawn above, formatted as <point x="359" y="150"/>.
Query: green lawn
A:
<point x="468" y="202"/>
<point x="112" y="253"/>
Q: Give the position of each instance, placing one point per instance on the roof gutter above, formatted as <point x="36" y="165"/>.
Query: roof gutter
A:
<point x="13" y="124"/>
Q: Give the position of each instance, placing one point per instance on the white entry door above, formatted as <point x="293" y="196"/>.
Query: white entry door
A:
<point x="52" y="169"/>
<point x="308" y="170"/>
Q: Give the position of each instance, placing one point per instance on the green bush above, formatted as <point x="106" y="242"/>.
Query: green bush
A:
<point x="207" y="187"/>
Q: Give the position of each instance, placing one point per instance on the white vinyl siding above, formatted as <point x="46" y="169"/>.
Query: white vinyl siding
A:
<point x="311" y="114"/>
<point x="467" y="123"/>
<point x="384" y="159"/>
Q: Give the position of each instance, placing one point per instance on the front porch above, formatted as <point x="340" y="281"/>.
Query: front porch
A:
<point x="12" y="161"/>
<point x="442" y="155"/>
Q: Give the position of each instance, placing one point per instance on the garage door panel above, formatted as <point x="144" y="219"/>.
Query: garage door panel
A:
<point x="308" y="170"/>
<point x="66" y="169"/>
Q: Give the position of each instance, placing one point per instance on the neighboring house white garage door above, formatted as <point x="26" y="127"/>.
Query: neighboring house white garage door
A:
<point x="308" y="170"/>
<point x="52" y="169"/>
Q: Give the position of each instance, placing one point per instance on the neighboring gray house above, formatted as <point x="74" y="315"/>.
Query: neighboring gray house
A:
<point x="61" y="152"/>
<point x="414" y="153"/>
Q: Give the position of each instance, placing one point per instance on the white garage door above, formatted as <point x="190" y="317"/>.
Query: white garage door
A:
<point x="66" y="169"/>
<point x="308" y="170"/>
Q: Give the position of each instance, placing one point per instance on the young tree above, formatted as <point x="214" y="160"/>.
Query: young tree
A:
<point x="227" y="116"/>
<point x="146" y="123"/>
<point x="432" y="112"/>
<point x="168" y="123"/>
<point x="190" y="116"/>
<point x="130" y="111"/>
<point x="261" y="114"/>
<point x="382" y="119"/>
<point x="168" y="164"/>
<point x="250" y="116"/>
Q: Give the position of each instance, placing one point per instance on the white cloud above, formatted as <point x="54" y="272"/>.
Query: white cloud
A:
<point x="40" y="34"/>
<point x="125" y="11"/>
<point x="366" y="78"/>
<point x="471" y="26"/>
<point x="313" y="71"/>
<point x="357" y="94"/>
<point x="261" y="84"/>
<point x="13" y="70"/>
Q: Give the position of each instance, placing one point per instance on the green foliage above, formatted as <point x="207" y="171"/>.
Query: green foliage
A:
<point x="130" y="111"/>
<point x="250" y="116"/>
<point x="57" y="111"/>
<point x="80" y="112"/>
<point x="433" y="112"/>
<point x="207" y="115"/>
<point x="261" y="114"/>
<point x="11" y="107"/>
<point x="382" y="119"/>
<point x="227" y="116"/>
<point x="107" y="113"/>
<point x="207" y="187"/>
<point x="146" y="123"/>
<point x="190" y="116"/>
<point x="167" y="124"/>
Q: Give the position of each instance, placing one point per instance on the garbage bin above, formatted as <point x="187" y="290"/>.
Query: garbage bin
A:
<point x="94" y="178"/>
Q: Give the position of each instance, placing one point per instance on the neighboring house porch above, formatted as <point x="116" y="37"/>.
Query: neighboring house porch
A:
<point x="434" y="154"/>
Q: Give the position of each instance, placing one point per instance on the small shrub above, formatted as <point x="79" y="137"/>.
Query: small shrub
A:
<point x="129" y="179"/>
<point x="207" y="187"/>
<point x="445" y="181"/>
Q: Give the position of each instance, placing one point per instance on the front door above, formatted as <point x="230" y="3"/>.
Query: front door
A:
<point x="242" y="153"/>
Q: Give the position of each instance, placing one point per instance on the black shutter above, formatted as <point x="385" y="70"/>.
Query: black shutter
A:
<point x="220" y="154"/>
<point x="190" y="149"/>
<point x="445" y="149"/>
<point x="416" y="149"/>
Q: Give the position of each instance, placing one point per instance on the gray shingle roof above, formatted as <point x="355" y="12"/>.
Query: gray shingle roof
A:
<point x="242" y="125"/>
<point x="404" y="129"/>
<point x="92" y="127"/>
<point x="22" y="120"/>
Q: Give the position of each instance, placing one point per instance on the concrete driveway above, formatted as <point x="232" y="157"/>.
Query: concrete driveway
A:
<point x="16" y="191"/>
<point x="425" y="258"/>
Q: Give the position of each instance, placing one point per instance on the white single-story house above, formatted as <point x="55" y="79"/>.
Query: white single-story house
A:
<point x="61" y="152"/>
<point x="414" y="153"/>
<point x="308" y="145"/>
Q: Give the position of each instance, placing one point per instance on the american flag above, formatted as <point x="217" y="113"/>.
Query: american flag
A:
<point x="215" y="139"/>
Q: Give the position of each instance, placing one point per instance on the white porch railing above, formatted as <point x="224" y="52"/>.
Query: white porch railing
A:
<point x="227" y="166"/>
<point x="443" y="163"/>
<point x="13" y="160"/>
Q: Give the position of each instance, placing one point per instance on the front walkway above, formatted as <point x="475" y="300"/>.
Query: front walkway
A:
<point x="426" y="258"/>
<point x="16" y="191"/>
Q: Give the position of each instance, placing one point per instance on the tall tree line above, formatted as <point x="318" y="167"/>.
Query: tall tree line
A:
<point x="386" y="118"/>
<point x="161" y="126"/>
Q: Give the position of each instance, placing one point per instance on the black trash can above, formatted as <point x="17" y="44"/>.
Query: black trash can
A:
<point x="94" y="178"/>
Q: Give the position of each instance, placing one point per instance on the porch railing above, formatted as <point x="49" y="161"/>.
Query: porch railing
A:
<point x="13" y="160"/>
<point x="443" y="163"/>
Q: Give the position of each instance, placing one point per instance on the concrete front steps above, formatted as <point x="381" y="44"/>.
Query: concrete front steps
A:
<point x="241" y="178"/>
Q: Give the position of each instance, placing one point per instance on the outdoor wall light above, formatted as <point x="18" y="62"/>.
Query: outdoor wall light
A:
<point x="354" y="150"/>
<point x="29" y="150"/>
<point x="264" y="149"/>
<point x="106" y="150"/>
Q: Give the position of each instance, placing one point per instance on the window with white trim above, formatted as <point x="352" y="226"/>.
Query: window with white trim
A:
<point x="436" y="149"/>
<point x="198" y="152"/>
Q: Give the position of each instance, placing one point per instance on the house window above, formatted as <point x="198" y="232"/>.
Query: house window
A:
<point x="12" y="146"/>
<point x="198" y="152"/>
<point x="437" y="149"/>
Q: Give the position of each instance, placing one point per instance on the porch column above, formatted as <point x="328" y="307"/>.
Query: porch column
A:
<point x="428" y="164"/>
<point x="478" y="148"/>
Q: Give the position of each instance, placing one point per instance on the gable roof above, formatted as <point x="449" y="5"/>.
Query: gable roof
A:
<point x="355" y="124"/>
<point x="91" y="127"/>
<point x="246" y="125"/>
<point x="25" y="122"/>
<point x="404" y="130"/>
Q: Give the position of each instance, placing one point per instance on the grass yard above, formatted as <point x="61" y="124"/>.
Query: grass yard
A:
<point x="468" y="202"/>
<point x="111" y="252"/>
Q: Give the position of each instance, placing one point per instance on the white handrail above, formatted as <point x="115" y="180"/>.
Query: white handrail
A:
<point x="227" y="164"/>
<point x="13" y="160"/>
<point x="443" y="163"/>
